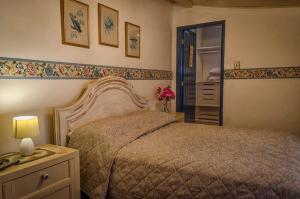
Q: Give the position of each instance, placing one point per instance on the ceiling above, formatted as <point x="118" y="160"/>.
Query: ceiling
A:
<point x="238" y="3"/>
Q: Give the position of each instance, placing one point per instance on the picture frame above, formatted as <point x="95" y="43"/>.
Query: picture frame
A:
<point x="75" y="23"/>
<point x="132" y="40"/>
<point x="191" y="56"/>
<point x="108" y="26"/>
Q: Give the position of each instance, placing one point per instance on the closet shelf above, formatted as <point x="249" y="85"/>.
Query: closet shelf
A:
<point x="208" y="105"/>
<point x="207" y="81"/>
<point x="209" y="48"/>
<point x="203" y="121"/>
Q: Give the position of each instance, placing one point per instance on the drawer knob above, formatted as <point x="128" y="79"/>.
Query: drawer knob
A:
<point x="45" y="177"/>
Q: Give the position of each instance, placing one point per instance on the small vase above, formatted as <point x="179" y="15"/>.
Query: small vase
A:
<point x="165" y="106"/>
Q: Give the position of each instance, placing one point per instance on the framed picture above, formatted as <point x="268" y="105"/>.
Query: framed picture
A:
<point x="75" y="23"/>
<point x="108" y="25"/>
<point x="132" y="40"/>
<point x="191" y="56"/>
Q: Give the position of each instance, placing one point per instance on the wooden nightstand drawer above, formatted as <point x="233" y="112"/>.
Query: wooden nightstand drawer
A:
<point x="38" y="180"/>
<point x="60" y="194"/>
<point x="54" y="176"/>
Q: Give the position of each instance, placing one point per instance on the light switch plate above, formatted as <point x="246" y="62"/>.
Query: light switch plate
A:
<point x="237" y="65"/>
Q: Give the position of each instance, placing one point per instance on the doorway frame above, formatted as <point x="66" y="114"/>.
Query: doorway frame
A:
<point x="180" y="61"/>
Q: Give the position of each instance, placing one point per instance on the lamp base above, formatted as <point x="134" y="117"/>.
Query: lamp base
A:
<point x="26" y="147"/>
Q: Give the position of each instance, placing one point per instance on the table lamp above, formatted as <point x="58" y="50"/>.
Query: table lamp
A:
<point x="25" y="127"/>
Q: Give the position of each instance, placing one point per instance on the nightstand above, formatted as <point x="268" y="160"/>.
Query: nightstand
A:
<point x="51" y="177"/>
<point x="179" y="116"/>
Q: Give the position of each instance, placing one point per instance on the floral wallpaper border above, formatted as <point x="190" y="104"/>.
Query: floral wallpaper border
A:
<point x="15" y="68"/>
<point x="263" y="73"/>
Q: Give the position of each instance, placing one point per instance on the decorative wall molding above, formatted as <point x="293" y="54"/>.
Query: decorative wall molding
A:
<point x="13" y="68"/>
<point x="263" y="73"/>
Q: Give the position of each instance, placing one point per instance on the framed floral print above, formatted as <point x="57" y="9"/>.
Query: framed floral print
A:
<point x="132" y="40"/>
<point x="75" y="23"/>
<point x="108" y="25"/>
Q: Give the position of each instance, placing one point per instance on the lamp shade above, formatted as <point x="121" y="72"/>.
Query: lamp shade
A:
<point x="25" y="126"/>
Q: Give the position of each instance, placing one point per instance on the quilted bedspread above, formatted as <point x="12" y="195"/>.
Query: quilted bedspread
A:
<point x="148" y="155"/>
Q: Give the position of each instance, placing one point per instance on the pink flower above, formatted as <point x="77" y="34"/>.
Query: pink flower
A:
<point x="165" y="94"/>
<point x="31" y="69"/>
<point x="160" y="98"/>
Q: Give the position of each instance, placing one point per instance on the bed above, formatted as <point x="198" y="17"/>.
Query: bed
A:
<point x="130" y="151"/>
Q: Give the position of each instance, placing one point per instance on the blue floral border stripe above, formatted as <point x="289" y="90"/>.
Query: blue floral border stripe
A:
<point x="14" y="68"/>
<point x="263" y="73"/>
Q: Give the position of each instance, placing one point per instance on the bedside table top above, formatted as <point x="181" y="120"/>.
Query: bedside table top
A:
<point x="60" y="153"/>
<point x="179" y="116"/>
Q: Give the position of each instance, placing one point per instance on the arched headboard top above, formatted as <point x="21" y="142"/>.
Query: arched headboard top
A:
<point x="107" y="96"/>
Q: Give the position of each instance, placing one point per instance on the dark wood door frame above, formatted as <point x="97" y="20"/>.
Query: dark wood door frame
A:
<point x="179" y="63"/>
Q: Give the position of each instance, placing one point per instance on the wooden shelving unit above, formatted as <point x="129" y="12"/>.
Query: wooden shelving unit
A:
<point x="208" y="58"/>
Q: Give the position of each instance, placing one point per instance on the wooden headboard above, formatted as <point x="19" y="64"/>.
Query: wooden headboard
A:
<point x="108" y="96"/>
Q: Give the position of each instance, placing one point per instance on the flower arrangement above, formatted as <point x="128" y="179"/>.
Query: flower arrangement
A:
<point x="165" y="95"/>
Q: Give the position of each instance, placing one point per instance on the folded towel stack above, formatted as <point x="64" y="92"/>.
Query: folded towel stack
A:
<point x="214" y="74"/>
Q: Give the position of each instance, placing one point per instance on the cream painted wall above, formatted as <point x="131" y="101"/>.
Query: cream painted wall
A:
<point x="256" y="38"/>
<point x="31" y="29"/>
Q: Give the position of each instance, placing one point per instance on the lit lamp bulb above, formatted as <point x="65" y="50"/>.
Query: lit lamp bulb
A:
<point x="26" y="127"/>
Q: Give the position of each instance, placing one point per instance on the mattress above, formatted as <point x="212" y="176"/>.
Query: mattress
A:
<point x="149" y="155"/>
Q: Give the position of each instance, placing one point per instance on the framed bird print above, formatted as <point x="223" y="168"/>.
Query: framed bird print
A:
<point x="132" y="40"/>
<point x="108" y="25"/>
<point x="75" y="23"/>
